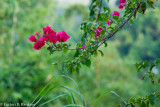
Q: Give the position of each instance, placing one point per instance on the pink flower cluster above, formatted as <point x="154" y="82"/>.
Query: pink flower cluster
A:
<point x="98" y="32"/>
<point x="114" y="13"/>
<point x="83" y="47"/>
<point x="49" y="35"/>
<point x="122" y="4"/>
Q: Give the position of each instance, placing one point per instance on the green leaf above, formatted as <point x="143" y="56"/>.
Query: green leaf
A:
<point x="115" y="17"/>
<point x="132" y="105"/>
<point x="158" y="61"/>
<point x="132" y="100"/>
<point x="131" y="21"/>
<point x="152" y="99"/>
<point x="71" y="94"/>
<point x="143" y="104"/>
<point x="102" y="54"/>
<point x="151" y="65"/>
<point x="119" y="105"/>
<point x="110" y="29"/>
<point x="77" y="69"/>
<point x="105" y="44"/>
<point x="143" y="6"/>
<point x="92" y="32"/>
<point x="144" y="64"/>
<point x="84" y="37"/>
<point x="135" y="15"/>
<point x="87" y="62"/>
<point x="74" y="105"/>
<point x="43" y="91"/>
<point x="95" y="102"/>
<point x="100" y="17"/>
<point x="107" y="10"/>
<point x="119" y="97"/>
<point x="76" y="53"/>
<point x="79" y="44"/>
<point x="65" y="46"/>
<point x="139" y="101"/>
<point x="150" y="3"/>
<point x="65" y="51"/>
<point x="50" y="48"/>
<point x="103" y="32"/>
<point x="159" y="80"/>
<point x="69" y="98"/>
<point x="71" y="89"/>
<point x="147" y="103"/>
<point x="52" y="99"/>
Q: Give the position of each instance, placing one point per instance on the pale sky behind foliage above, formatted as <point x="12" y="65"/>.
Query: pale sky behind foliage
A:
<point x="66" y="3"/>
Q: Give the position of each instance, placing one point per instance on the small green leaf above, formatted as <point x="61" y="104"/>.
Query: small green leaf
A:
<point x="87" y="62"/>
<point x="145" y="63"/>
<point x="65" y="51"/>
<point x="131" y="21"/>
<point x="79" y="44"/>
<point x="132" y="100"/>
<point x="95" y="53"/>
<point x="115" y="17"/>
<point x="150" y="3"/>
<point x="102" y="54"/>
<point x="159" y="80"/>
<point x="152" y="99"/>
<point x="103" y="32"/>
<point x="84" y="37"/>
<point x="143" y="104"/>
<point x="158" y="61"/>
<point x="65" y="46"/>
<point x="132" y="105"/>
<point x="77" y="69"/>
<point x="143" y="77"/>
<point x="143" y="6"/>
<point x="105" y="44"/>
<point x="151" y="65"/>
<point x="138" y="101"/>
<point x="135" y="14"/>
<point x="147" y="103"/>
<point x="119" y="105"/>
<point x="92" y="32"/>
<point x="50" y="48"/>
<point x="76" y="53"/>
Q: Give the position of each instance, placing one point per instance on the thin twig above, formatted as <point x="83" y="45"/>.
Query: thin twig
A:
<point x="109" y="36"/>
<point x="137" y="101"/>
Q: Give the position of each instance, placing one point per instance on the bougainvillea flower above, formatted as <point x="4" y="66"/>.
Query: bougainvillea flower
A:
<point x="98" y="32"/>
<point x="83" y="47"/>
<point x="109" y="22"/>
<point x="62" y="36"/>
<point x="49" y="34"/>
<point x="122" y="3"/>
<point x="47" y="30"/>
<point x="38" y="45"/>
<point x="43" y="38"/>
<point x="37" y="33"/>
<point x="116" y="13"/>
<point x="32" y="38"/>
<point x="52" y="38"/>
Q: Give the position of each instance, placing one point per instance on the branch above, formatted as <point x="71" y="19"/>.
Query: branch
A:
<point x="109" y="36"/>
<point x="138" y="101"/>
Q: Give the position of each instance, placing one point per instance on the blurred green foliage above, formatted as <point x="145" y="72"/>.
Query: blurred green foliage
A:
<point x="24" y="71"/>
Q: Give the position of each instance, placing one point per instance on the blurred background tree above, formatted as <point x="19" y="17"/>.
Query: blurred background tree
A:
<point x="23" y="71"/>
